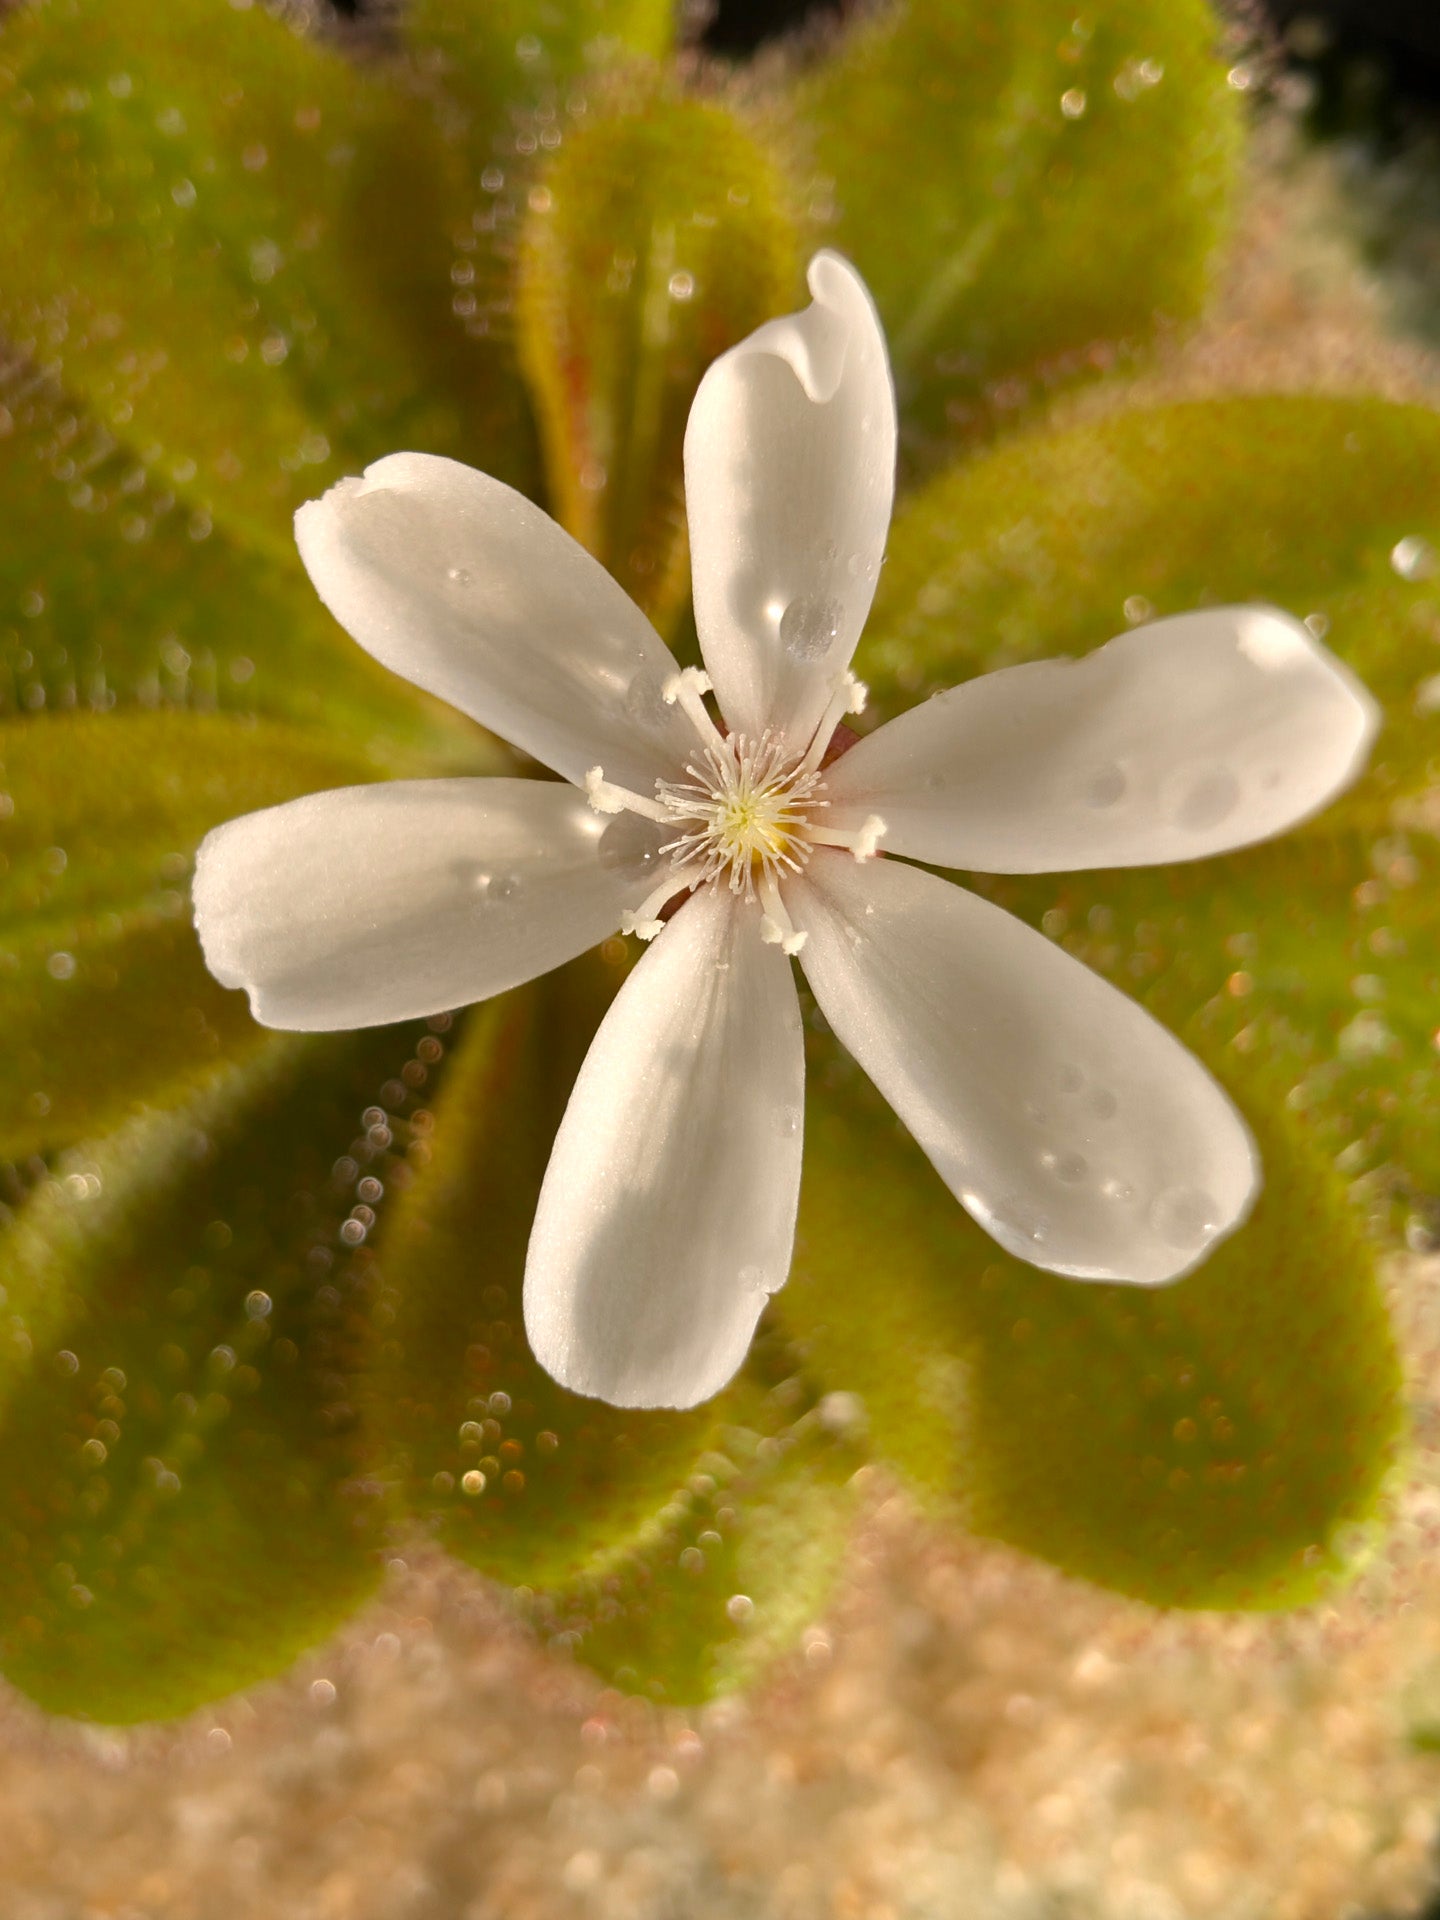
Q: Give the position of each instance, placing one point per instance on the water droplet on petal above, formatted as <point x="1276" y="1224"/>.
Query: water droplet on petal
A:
<point x="505" y="886"/>
<point x="810" y="625"/>
<point x="629" y="841"/>
<point x="1103" y="1104"/>
<point x="1184" y="1217"/>
<point x="1105" y="787"/>
<point x="1071" y="1167"/>
<point x="1207" y="798"/>
<point x="459" y="576"/>
<point x="644" y="699"/>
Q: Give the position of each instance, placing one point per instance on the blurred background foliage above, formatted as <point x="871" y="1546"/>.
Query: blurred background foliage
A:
<point x="260" y="1317"/>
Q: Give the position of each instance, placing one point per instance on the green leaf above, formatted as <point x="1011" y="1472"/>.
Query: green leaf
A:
<point x="982" y="164"/>
<point x="1217" y="1443"/>
<point x="1051" y="542"/>
<point x="249" y="282"/>
<point x="104" y="995"/>
<point x="657" y="239"/>
<point x="519" y="1477"/>
<point x="730" y="1571"/>
<point x="513" y="65"/>
<point x="189" y="1503"/>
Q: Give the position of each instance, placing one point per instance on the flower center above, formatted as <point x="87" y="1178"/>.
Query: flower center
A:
<point x="745" y="812"/>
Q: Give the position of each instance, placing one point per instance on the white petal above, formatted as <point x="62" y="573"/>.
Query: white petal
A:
<point x="467" y="589"/>
<point x="370" y="904"/>
<point x="789" y="475"/>
<point x="1208" y="731"/>
<point x="667" y="1215"/>
<point x="1074" y="1128"/>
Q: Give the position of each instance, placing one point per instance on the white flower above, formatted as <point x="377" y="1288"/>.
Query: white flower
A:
<point x="1074" y="1128"/>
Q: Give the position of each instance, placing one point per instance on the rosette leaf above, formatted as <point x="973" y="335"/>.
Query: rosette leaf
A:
<point x="191" y="1501"/>
<point x="252" y="283"/>
<point x="656" y="239"/>
<point x="730" y="1570"/>
<point x="976" y="160"/>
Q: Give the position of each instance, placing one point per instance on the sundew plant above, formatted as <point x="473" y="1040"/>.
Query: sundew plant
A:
<point x="261" y="1322"/>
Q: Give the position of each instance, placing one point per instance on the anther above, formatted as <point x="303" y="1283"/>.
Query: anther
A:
<point x="644" y="921"/>
<point x="777" y="929"/>
<point x="864" y="843"/>
<point x="849" y="696"/>
<point x="689" y="687"/>
<point x="605" y="797"/>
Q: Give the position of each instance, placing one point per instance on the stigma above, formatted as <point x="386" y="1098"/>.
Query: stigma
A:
<point x="746" y="815"/>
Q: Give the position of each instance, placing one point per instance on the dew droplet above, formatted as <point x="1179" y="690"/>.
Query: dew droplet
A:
<point x="1105" y="787"/>
<point x="1208" y="797"/>
<point x="629" y="842"/>
<point x="505" y="886"/>
<point x="1413" y="558"/>
<point x="789" y="1122"/>
<point x="1117" y="1190"/>
<point x="1103" y="1104"/>
<point x="459" y="575"/>
<point x="809" y="626"/>
<point x="1071" y="1167"/>
<point x="1184" y="1217"/>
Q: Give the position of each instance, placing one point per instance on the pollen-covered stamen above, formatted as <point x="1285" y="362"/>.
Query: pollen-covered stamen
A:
<point x="849" y="696"/>
<point x="689" y="688"/>
<point x="864" y="842"/>
<point x="605" y="797"/>
<point x="644" y="921"/>
<point x="777" y="929"/>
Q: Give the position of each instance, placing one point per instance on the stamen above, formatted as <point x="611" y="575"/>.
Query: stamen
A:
<point x="850" y="696"/>
<point x="605" y="797"/>
<point x="689" y="687"/>
<point x="864" y="843"/>
<point x="777" y="929"/>
<point x="644" y="921"/>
